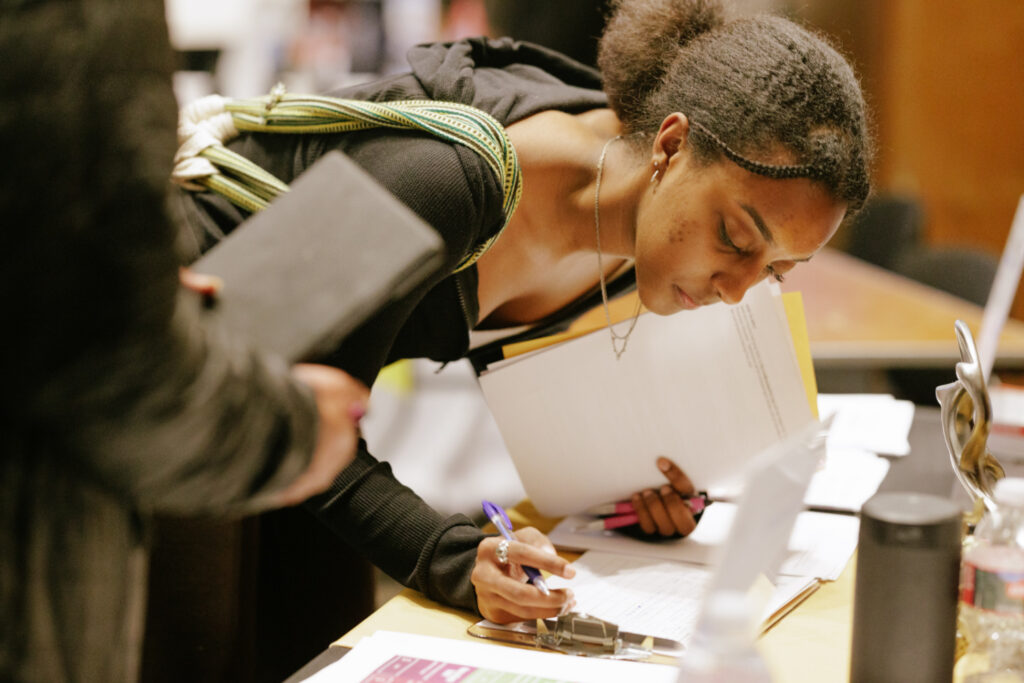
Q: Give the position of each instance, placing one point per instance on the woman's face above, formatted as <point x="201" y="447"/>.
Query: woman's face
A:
<point x="707" y="233"/>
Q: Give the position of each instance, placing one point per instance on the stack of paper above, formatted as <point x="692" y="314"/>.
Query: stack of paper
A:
<point x="658" y="597"/>
<point x="863" y="427"/>
<point x="878" y="423"/>
<point x="708" y="388"/>
<point x="820" y="546"/>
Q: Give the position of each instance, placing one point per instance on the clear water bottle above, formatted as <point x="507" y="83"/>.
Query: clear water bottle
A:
<point x="992" y="592"/>
<point x="722" y="649"/>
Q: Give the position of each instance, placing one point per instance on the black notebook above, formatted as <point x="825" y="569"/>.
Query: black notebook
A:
<point x="319" y="260"/>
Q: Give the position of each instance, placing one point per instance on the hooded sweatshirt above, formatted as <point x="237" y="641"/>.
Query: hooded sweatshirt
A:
<point x="453" y="190"/>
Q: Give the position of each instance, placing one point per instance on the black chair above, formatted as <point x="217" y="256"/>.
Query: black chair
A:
<point x="962" y="271"/>
<point x="885" y="229"/>
<point x="888" y="232"/>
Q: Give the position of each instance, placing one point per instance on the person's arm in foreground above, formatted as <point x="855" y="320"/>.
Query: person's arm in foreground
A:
<point x="108" y="358"/>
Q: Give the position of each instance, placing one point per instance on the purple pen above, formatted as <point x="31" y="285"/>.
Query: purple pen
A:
<point x="499" y="518"/>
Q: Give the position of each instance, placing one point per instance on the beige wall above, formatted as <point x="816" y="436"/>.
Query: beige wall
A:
<point x="946" y="81"/>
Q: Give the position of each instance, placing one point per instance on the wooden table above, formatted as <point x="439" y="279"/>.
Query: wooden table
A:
<point x="863" y="316"/>
<point x="809" y="645"/>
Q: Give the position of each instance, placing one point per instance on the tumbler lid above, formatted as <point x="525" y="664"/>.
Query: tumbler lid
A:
<point x="912" y="520"/>
<point x="911" y="508"/>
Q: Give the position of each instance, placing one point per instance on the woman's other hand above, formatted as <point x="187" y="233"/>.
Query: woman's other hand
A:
<point x="664" y="510"/>
<point x="502" y="593"/>
<point x="341" y="402"/>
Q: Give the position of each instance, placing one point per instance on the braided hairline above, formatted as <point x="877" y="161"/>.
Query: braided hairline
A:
<point x="769" y="170"/>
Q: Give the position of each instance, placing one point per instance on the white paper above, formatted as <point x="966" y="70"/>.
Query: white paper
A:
<point x="773" y="493"/>
<point x="652" y="596"/>
<point x="412" y="658"/>
<point x="820" y="546"/>
<point x="708" y="388"/>
<point x="879" y="423"/>
<point x="847" y="478"/>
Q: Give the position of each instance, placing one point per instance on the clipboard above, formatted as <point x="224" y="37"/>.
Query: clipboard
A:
<point x="772" y="497"/>
<point x="581" y="634"/>
<point x="318" y="261"/>
<point x="635" y="646"/>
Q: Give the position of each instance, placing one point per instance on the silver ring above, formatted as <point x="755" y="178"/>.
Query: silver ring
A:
<point x="502" y="551"/>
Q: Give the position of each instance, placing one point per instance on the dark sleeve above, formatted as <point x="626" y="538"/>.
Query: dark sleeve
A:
<point x="107" y="360"/>
<point x="455" y="192"/>
<point x="400" y="533"/>
<point x="366" y="505"/>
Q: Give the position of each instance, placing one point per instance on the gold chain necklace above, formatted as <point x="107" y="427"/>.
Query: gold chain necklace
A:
<point x="619" y="341"/>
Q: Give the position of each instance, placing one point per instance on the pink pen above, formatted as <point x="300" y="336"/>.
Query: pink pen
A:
<point x="696" y="503"/>
<point x="620" y="508"/>
<point x="608" y="523"/>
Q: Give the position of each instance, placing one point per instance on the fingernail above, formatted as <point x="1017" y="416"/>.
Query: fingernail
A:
<point x="356" y="411"/>
<point x="569" y="572"/>
<point x="664" y="465"/>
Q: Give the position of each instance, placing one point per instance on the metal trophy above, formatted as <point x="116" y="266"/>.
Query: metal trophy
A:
<point x="966" y="413"/>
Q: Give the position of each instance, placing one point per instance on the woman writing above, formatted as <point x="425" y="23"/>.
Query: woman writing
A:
<point x="718" y="153"/>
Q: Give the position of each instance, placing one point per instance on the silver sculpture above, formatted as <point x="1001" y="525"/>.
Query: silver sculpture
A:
<point x="966" y="413"/>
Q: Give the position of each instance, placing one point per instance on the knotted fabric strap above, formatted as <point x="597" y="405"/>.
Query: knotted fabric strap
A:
<point x="204" y="163"/>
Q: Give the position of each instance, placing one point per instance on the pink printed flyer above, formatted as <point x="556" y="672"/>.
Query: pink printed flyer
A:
<point x="403" y="669"/>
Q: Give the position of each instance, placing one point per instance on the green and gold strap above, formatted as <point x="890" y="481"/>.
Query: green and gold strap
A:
<point x="204" y="163"/>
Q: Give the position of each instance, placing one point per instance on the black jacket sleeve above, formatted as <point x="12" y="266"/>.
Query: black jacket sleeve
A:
<point x="454" y="191"/>
<point x="400" y="533"/>
<point x="367" y="506"/>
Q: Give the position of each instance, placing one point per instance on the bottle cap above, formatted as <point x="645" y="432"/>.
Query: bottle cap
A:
<point x="727" y="620"/>
<point x="1010" y="491"/>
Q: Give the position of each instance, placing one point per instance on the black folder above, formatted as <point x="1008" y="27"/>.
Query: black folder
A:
<point x="305" y="271"/>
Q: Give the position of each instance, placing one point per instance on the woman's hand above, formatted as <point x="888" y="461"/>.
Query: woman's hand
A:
<point x="664" y="510"/>
<point x="502" y="593"/>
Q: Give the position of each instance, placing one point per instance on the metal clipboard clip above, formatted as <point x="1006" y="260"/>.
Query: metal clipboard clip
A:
<point x="581" y="634"/>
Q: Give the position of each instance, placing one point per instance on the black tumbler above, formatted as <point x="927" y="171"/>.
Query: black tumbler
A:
<point x="905" y="602"/>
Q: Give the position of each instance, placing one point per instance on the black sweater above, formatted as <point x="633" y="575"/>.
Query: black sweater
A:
<point x="454" y="191"/>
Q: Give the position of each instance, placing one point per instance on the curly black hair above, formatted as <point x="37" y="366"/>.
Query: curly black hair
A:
<point x="752" y="87"/>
